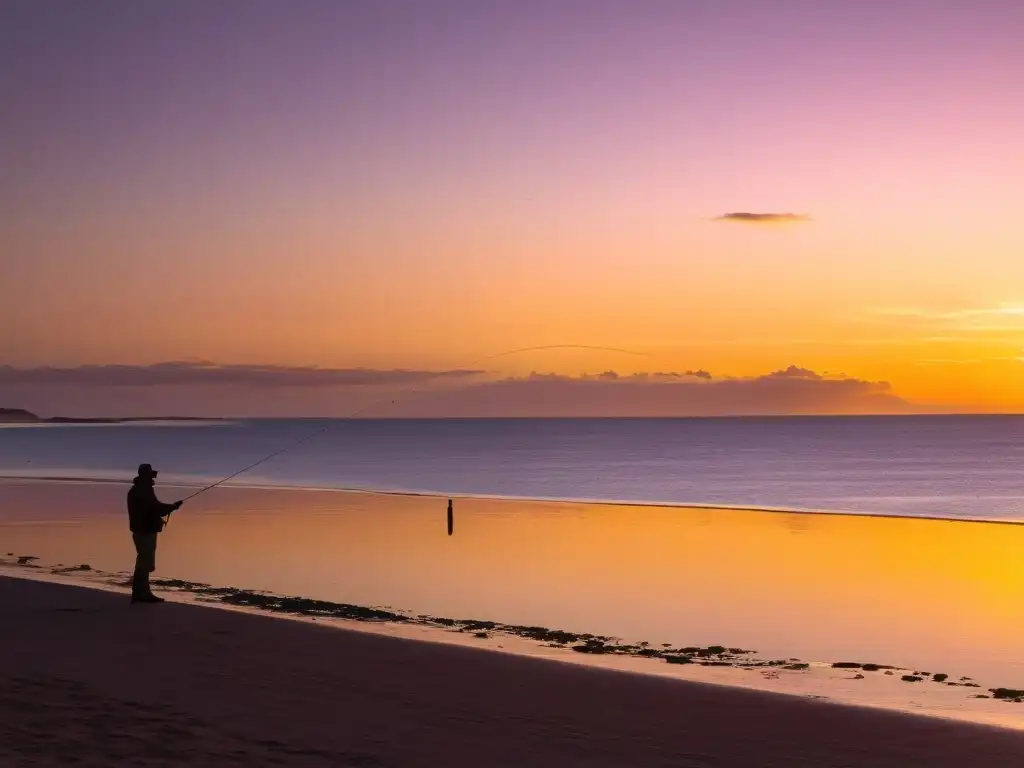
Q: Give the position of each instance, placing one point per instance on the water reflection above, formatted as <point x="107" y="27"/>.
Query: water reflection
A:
<point x="799" y="523"/>
<point x="939" y="596"/>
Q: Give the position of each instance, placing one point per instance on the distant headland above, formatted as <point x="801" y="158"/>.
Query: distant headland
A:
<point x="21" y="416"/>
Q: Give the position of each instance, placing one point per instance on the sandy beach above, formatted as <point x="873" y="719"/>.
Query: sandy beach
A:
<point x="89" y="679"/>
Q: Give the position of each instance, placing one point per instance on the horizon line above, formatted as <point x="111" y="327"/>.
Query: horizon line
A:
<point x="114" y="420"/>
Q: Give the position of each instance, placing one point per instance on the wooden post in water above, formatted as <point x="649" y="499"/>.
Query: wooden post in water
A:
<point x="451" y="518"/>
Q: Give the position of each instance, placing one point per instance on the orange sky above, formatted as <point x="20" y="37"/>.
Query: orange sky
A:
<point x="334" y="191"/>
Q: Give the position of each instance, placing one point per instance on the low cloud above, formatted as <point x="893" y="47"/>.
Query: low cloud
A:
<point x="192" y="373"/>
<point x="787" y="391"/>
<point x="206" y="389"/>
<point x="793" y="372"/>
<point x="743" y="217"/>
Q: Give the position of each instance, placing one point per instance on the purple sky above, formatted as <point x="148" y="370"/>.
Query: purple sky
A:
<point x="412" y="184"/>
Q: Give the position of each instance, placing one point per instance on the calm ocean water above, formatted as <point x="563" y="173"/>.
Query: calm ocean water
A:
<point x="945" y="466"/>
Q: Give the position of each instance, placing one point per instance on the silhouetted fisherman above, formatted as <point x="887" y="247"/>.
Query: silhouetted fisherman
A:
<point x="146" y="516"/>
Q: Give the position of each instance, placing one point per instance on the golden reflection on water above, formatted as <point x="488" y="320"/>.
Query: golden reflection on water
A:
<point x="941" y="596"/>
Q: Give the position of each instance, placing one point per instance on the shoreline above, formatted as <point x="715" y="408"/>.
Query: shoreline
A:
<point x="286" y="691"/>
<point x="615" y="503"/>
<point x="850" y="635"/>
<point x="710" y="417"/>
<point x="721" y="666"/>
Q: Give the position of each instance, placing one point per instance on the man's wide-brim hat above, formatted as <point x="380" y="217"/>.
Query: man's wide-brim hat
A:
<point x="146" y="470"/>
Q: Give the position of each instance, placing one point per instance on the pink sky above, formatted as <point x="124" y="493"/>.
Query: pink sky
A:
<point x="415" y="186"/>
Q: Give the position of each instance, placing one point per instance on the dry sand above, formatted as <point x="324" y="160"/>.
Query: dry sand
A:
<point x="88" y="679"/>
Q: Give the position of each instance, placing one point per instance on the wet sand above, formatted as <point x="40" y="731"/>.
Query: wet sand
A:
<point x="91" y="680"/>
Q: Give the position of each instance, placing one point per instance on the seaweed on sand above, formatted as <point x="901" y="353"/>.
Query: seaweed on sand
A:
<point x="578" y="642"/>
<point x="1007" y="694"/>
<point x="296" y="606"/>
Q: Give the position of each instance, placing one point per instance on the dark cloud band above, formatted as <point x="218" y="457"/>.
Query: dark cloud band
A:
<point x="183" y="374"/>
<point x="245" y="390"/>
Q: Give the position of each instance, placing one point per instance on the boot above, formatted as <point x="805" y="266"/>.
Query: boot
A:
<point x="150" y="598"/>
<point x="141" y="593"/>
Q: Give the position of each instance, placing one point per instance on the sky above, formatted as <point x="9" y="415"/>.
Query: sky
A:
<point x="822" y="194"/>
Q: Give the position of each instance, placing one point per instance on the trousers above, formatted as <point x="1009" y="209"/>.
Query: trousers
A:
<point x="145" y="562"/>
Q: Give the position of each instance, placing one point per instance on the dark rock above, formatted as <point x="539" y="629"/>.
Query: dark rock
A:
<point x="300" y="606"/>
<point x="939" y="677"/>
<point x="471" y="625"/>
<point x="544" y="634"/>
<point x="846" y="665"/>
<point x="800" y="665"/>
<point x="481" y="635"/>
<point x="26" y="559"/>
<point x="304" y="606"/>
<point x="711" y="650"/>
<point x="1006" y="693"/>
<point x="679" y="659"/>
<point x="911" y="678"/>
<point x="592" y="647"/>
<point x="72" y="569"/>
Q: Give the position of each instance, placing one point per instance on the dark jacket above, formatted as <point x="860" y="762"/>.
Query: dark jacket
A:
<point x="145" y="511"/>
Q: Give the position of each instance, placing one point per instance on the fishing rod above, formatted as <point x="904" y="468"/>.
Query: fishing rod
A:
<point x="255" y="464"/>
<point x="403" y="393"/>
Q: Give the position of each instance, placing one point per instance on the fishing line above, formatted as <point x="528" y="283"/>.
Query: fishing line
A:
<point x="404" y="393"/>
